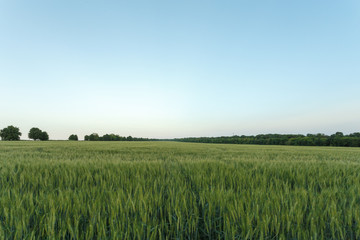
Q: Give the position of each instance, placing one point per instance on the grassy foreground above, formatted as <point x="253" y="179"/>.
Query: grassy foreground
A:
<point x="169" y="190"/>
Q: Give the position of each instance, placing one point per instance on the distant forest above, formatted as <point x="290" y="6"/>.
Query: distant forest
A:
<point x="337" y="139"/>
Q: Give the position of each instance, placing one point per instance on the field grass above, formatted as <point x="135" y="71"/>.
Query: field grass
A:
<point x="169" y="190"/>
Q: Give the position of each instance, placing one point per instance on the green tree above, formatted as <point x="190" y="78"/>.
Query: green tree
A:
<point x="35" y="133"/>
<point x="73" y="137"/>
<point x="10" y="133"/>
<point x="86" y="138"/>
<point x="106" y="137"/>
<point x="94" y="137"/>
<point x="356" y="134"/>
<point x="339" y="134"/>
<point x="44" y="136"/>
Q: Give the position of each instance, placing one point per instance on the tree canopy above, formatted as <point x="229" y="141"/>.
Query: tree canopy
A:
<point x="37" y="134"/>
<point x="10" y="133"/>
<point x="94" y="137"/>
<point x="73" y="137"/>
<point x="44" y="136"/>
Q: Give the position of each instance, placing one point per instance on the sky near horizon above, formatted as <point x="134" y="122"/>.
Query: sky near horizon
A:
<point x="166" y="69"/>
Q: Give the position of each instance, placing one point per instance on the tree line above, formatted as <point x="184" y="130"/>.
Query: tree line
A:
<point x="12" y="133"/>
<point x="337" y="139"/>
<point x="114" y="137"/>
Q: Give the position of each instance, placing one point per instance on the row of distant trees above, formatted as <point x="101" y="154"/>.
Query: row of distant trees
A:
<point x="337" y="139"/>
<point x="12" y="133"/>
<point x="113" y="137"/>
<point x="107" y="137"/>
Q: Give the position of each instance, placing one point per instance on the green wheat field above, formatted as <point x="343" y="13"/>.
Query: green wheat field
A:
<point x="171" y="190"/>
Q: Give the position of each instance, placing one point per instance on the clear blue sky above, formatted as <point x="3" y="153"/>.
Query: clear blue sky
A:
<point x="180" y="68"/>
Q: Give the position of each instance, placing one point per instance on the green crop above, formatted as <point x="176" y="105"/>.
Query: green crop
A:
<point x="169" y="190"/>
